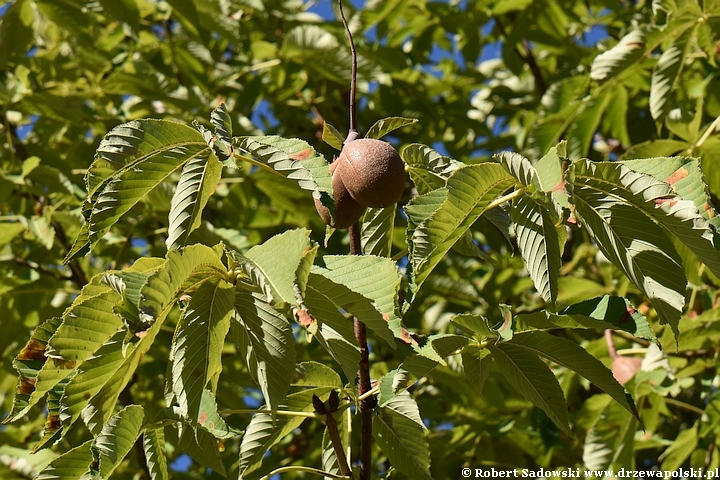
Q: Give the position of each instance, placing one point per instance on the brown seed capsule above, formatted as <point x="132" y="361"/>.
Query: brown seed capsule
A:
<point x="371" y="171"/>
<point x="347" y="210"/>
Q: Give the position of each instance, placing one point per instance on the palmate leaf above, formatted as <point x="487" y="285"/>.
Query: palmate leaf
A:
<point x="400" y="433"/>
<point x="185" y="269"/>
<point x="155" y="453"/>
<point x="116" y="439"/>
<point x="605" y="196"/>
<point x="471" y="190"/>
<point x="532" y="378"/>
<point x="386" y="125"/>
<point x="74" y="463"/>
<point x="295" y="159"/>
<point x="132" y="160"/>
<point x="197" y="183"/>
<point x="572" y="356"/>
<point x="540" y="237"/>
<point x="197" y="346"/>
<point x="269" y="345"/>
<point x="264" y="431"/>
<point x="376" y="230"/>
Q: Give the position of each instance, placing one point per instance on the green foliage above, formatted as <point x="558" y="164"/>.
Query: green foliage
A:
<point x="167" y="288"/>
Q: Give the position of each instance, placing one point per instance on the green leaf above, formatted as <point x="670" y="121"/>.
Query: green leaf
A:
<point x="280" y="276"/>
<point x="91" y="377"/>
<point x="610" y="439"/>
<point x="117" y="439"/>
<point x="16" y="31"/>
<point x="677" y="453"/>
<point x="293" y="158"/>
<point x="270" y="354"/>
<point x="9" y="230"/>
<point x="532" y="378"/>
<point x="471" y="190"/>
<point x="518" y="166"/>
<point x="607" y="197"/>
<point x="376" y="280"/>
<point x="197" y="183"/>
<point x="155" y="453"/>
<point x="132" y="160"/>
<point x="476" y="364"/>
<point x="74" y="463"/>
<point x="402" y="438"/>
<point x="585" y="125"/>
<point x="606" y="312"/>
<point x="185" y="268"/>
<point x="666" y="73"/>
<point x="655" y="148"/>
<point x="427" y="168"/>
<point x="572" y="356"/>
<point x="610" y="63"/>
<point x="28" y="364"/>
<point x="332" y="136"/>
<point x="387" y="125"/>
<point x="203" y="448"/>
<point x="376" y="230"/>
<point x="540" y="237"/>
<point x="197" y="345"/>
<point x="220" y="119"/>
<point x="333" y="330"/>
<point x="315" y="374"/>
<point x="264" y="431"/>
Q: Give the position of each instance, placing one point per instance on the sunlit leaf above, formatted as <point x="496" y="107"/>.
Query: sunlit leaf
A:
<point x="387" y="125"/>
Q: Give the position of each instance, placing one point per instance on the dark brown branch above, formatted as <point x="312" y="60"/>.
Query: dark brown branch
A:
<point x="334" y="434"/>
<point x="367" y="405"/>
<point x="528" y="57"/>
<point x="352" y="133"/>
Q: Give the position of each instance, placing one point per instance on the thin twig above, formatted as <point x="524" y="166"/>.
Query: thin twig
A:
<point x="528" y="57"/>
<point x="352" y="133"/>
<point x="368" y="402"/>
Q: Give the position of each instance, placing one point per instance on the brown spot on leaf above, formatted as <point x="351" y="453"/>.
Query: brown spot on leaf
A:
<point x="66" y="364"/>
<point x="34" y="350"/>
<point x="662" y="201"/>
<point x="386" y="317"/>
<point x="26" y="386"/>
<point x="86" y="396"/>
<point x="303" y="155"/>
<point x="677" y="175"/>
<point x="53" y="423"/>
<point x="220" y="445"/>
<point x="141" y="333"/>
<point x="304" y="318"/>
<point x="558" y="187"/>
<point x="405" y="337"/>
<point x="202" y="418"/>
<point x="627" y="315"/>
